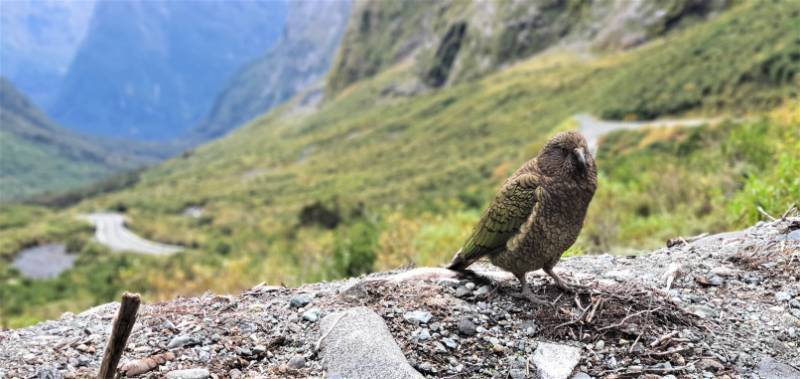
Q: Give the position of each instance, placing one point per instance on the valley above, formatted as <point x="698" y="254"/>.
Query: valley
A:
<point x="390" y="171"/>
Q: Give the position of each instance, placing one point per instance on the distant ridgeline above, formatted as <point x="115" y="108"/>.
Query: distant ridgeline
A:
<point x="38" y="156"/>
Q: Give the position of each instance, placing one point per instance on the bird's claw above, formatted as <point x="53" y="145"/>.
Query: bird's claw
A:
<point x="529" y="296"/>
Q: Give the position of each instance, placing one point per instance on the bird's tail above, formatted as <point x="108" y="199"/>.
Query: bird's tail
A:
<point x="459" y="263"/>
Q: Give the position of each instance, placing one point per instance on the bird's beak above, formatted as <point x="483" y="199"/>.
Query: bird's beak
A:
<point x="580" y="155"/>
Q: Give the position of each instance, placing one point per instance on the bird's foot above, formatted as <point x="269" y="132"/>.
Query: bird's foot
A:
<point x="565" y="285"/>
<point x="528" y="295"/>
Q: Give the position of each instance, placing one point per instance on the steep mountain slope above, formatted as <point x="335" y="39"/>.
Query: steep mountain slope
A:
<point x="150" y="70"/>
<point x="300" y="57"/>
<point x="38" y="40"/>
<point x="457" y="40"/>
<point x="37" y="156"/>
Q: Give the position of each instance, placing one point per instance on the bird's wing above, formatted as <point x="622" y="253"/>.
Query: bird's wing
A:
<point x="502" y="220"/>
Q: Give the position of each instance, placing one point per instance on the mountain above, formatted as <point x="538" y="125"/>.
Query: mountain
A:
<point x="150" y="70"/>
<point x="37" y="156"/>
<point x="449" y="41"/>
<point x="38" y="40"/>
<point x="300" y="57"/>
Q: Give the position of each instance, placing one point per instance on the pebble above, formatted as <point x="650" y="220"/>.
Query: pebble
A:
<point x="192" y="373"/>
<point x="795" y="303"/>
<point x="422" y="334"/>
<point x="297" y="362"/>
<point x="483" y="290"/>
<point x="312" y="315"/>
<point x="462" y="291"/>
<point x="182" y="341"/>
<point x="470" y="286"/>
<point x="418" y="317"/>
<point x="450" y="343"/>
<point x="783" y="296"/>
<point x="466" y="327"/>
<point x="301" y="300"/>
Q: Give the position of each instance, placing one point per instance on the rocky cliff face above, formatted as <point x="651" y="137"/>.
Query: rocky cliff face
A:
<point x="150" y="70"/>
<point x="300" y="57"/>
<point x="455" y="40"/>
<point x="725" y="305"/>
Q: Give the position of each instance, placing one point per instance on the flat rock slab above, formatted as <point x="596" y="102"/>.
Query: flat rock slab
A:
<point x="555" y="361"/>
<point x="357" y="344"/>
<point x="769" y="368"/>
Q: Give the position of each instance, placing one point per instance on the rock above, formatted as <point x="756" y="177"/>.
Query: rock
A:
<point x="707" y="364"/>
<point x="301" y="300"/>
<point x="450" y="343"/>
<point x="483" y="290"/>
<point x="769" y="368"/>
<point x="599" y="345"/>
<point x="312" y="315"/>
<point x="783" y="296"/>
<point x="417" y="317"/>
<point x="581" y="375"/>
<point x="555" y="361"/>
<point x="620" y="275"/>
<point x="466" y="327"/>
<point x="182" y="341"/>
<point x="46" y="373"/>
<point x="793" y="236"/>
<point x="516" y="373"/>
<point x="462" y="291"/>
<point x="703" y="311"/>
<point x="795" y="303"/>
<point x="358" y="345"/>
<point x="422" y="334"/>
<point x="297" y="362"/>
<point x="192" y="373"/>
<point x="470" y="286"/>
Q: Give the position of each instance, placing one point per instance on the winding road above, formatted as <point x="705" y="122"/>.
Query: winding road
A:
<point x="592" y="128"/>
<point x="110" y="231"/>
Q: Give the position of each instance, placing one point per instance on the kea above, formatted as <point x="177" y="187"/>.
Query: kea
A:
<point x="537" y="213"/>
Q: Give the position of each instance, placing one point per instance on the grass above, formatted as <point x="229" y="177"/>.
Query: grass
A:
<point x="407" y="177"/>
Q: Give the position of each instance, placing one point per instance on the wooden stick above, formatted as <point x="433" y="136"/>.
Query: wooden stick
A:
<point x="123" y="324"/>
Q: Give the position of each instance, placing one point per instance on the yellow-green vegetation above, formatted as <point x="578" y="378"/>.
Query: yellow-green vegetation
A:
<point x="375" y="181"/>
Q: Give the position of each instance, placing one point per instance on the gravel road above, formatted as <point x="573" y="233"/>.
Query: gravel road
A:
<point x="110" y="230"/>
<point x="593" y="128"/>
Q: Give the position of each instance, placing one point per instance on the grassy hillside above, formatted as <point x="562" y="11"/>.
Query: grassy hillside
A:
<point x="374" y="180"/>
<point x="37" y="156"/>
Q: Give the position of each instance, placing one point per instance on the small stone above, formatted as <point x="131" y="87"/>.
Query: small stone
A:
<point x="483" y="290"/>
<point x="192" y="373"/>
<point x="182" y="341"/>
<point x="418" y="317"/>
<point x="260" y="349"/>
<point x="243" y="351"/>
<point x="707" y="364"/>
<point x="516" y="373"/>
<point x="312" y="315"/>
<point x="423" y="334"/>
<point x="450" y="343"/>
<point x="783" y="296"/>
<point x="426" y="367"/>
<point x="46" y="373"/>
<point x="555" y="361"/>
<point x="795" y="303"/>
<point x="599" y="345"/>
<point x="581" y="375"/>
<point x="297" y="362"/>
<point x="462" y="291"/>
<point x="301" y="300"/>
<point x="470" y="285"/>
<point x="498" y="348"/>
<point x="466" y="327"/>
<point x="703" y="311"/>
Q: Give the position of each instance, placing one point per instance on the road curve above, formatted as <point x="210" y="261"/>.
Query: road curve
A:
<point x="110" y="231"/>
<point x="592" y="128"/>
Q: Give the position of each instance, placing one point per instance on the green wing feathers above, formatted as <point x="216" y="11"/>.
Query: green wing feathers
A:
<point x="502" y="220"/>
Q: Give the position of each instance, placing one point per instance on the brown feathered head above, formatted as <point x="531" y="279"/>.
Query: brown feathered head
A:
<point x="567" y="155"/>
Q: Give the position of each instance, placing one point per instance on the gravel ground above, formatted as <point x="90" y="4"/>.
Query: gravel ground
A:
<point x="721" y="306"/>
